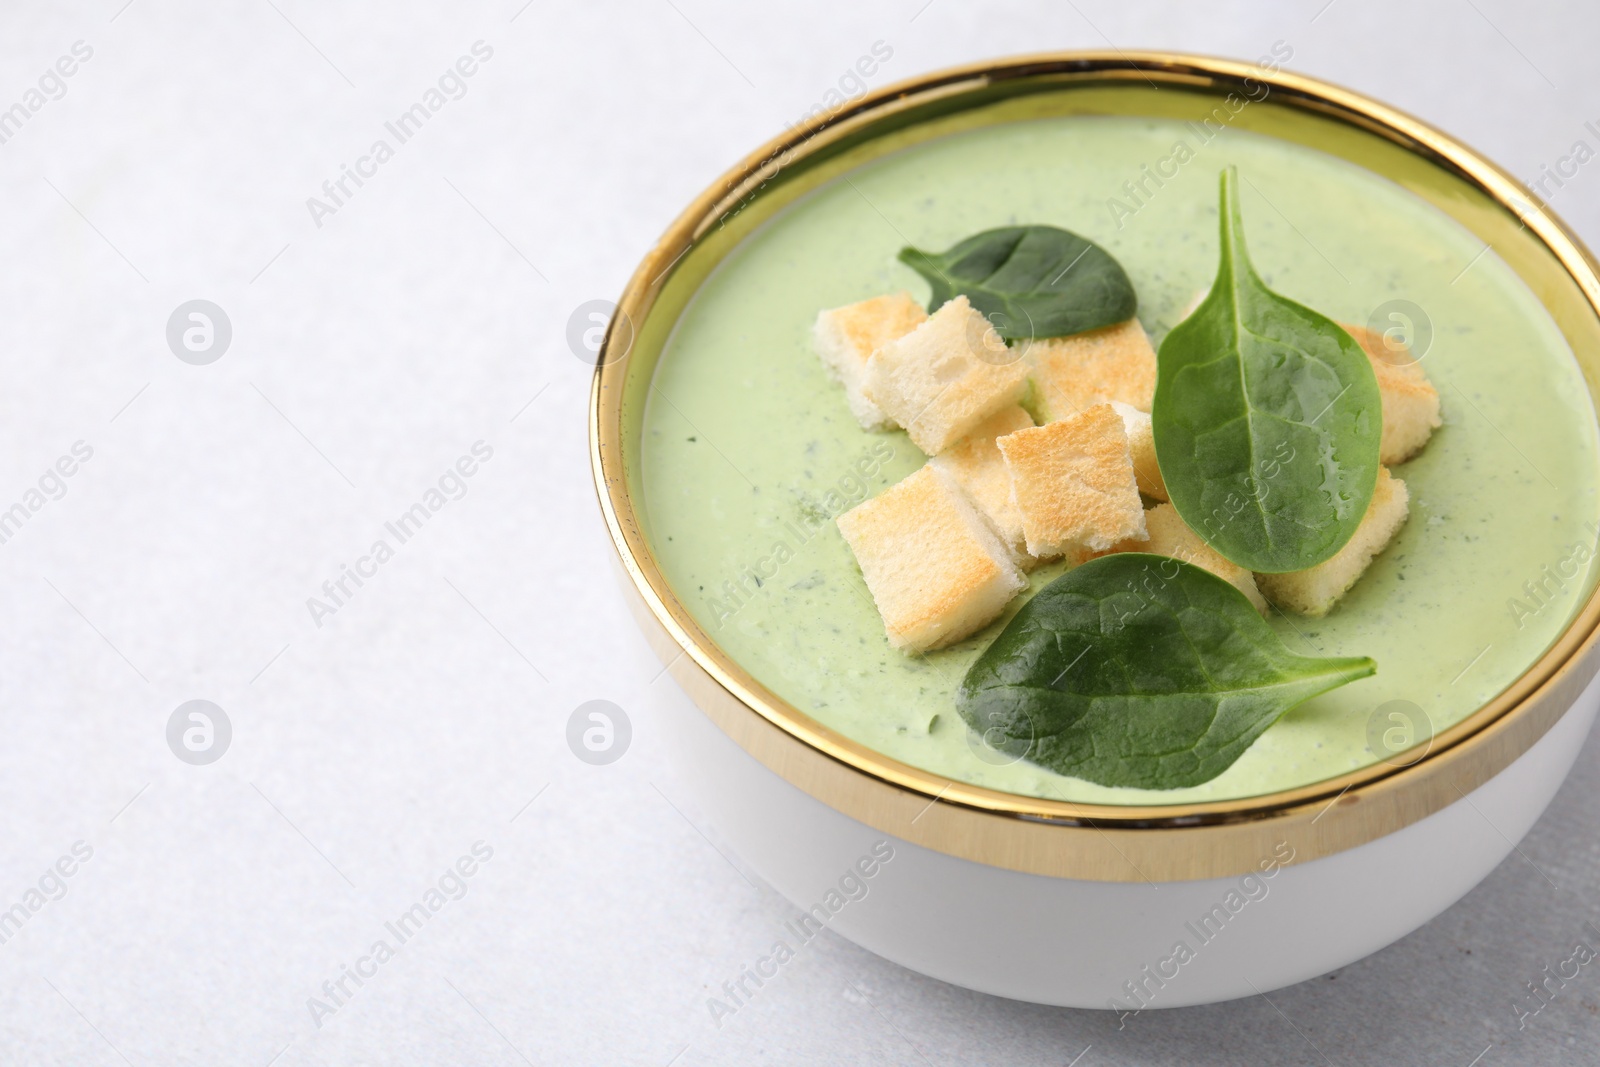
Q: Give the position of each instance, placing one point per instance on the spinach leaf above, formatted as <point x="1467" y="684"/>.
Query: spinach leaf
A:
<point x="1139" y="670"/>
<point x="1031" y="281"/>
<point x="1266" y="419"/>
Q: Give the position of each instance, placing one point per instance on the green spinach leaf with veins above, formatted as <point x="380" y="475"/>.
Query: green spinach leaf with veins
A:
<point x="1141" y="671"/>
<point x="1031" y="281"/>
<point x="1266" y="419"/>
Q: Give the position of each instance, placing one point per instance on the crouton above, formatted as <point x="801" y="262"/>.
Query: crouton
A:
<point x="1142" y="447"/>
<point x="936" y="571"/>
<point x="1410" y="402"/>
<point x="1171" y="536"/>
<point x="1073" y="483"/>
<point x="975" y="464"/>
<point x="1315" y="590"/>
<point x="1070" y="374"/>
<point x="946" y="376"/>
<point x="845" y="337"/>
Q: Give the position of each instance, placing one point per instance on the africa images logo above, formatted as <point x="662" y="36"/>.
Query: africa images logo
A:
<point x="451" y="85"/>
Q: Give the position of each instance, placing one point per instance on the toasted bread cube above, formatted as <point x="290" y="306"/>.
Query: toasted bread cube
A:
<point x="845" y="338"/>
<point x="1073" y="482"/>
<point x="974" y="463"/>
<point x="1072" y="374"/>
<point x="1410" y="402"/>
<point x="946" y="376"/>
<point x="936" y="570"/>
<point x="1315" y="590"/>
<point x="1142" y="447"/>
<point x="1171" y="536"/>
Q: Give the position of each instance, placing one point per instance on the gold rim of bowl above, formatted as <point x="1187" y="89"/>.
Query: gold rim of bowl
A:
<point x="1056" y="838"/>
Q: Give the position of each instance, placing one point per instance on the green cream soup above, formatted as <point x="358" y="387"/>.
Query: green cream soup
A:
<point x="750" y="452"/>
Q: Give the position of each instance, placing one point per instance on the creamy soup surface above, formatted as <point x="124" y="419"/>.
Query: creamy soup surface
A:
<point x="750" y="451"/>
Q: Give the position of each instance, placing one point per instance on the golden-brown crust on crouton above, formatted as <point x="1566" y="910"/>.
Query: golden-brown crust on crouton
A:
<point x="1410" y="401"/>
<point x="975" y="464"/>
<point x="936" y="571"/>
<point x="1072" y="374"/>
<point x="845" y="338"/>
<point x="1073" y="482"/>
<point x="1316" y="590"/>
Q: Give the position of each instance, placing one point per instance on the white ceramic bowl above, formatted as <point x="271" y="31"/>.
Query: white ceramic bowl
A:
<point x="1073" y="904"/>
<point x="1088" y="944"/>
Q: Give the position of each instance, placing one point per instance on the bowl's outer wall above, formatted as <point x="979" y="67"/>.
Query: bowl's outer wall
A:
<point x="1075" y="943"/>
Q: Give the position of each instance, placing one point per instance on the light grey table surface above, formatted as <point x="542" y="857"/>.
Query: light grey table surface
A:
<point x="373" y="346"/>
